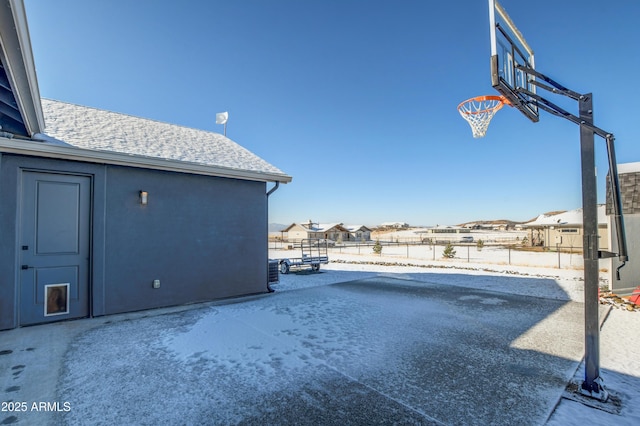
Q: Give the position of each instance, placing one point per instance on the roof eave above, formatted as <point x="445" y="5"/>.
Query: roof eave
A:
<point x="18" y="59"/>
<point x="38" y="149"/>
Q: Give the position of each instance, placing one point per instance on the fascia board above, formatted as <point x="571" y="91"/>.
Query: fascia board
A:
<point x="20" y="65"/>
<point x="37" y="149"/>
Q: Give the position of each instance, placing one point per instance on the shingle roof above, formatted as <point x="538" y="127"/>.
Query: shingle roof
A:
<point x="325" y="227"/>
<point x="354" y="228"/>
<point x="96" y="129"/>
<point x="568" y="218"/>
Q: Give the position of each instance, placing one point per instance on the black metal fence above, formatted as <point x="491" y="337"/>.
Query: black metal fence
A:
<point x="512" y="252"/>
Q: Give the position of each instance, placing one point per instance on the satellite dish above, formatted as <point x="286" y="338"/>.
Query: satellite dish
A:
<point x="222" y="117"/>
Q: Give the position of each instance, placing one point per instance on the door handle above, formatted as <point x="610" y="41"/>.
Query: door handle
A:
<point x="26" y="267"/>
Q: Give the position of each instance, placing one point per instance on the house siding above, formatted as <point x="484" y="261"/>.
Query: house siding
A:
<point x="297" y="233"/>
<point x="359" y="236"/>
<point x="630" y="273"/>
<point x="8" y="261"/>
<point x="630" y="200"/>
<point x="560" y="236"/>
<point x="203" y="237"/>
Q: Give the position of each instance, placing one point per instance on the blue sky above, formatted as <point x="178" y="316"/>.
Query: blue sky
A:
<point x="356" y="99"/>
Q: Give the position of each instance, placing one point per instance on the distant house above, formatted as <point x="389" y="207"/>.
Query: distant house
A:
<point x="442" y="233"/>
<point x="104" y="213"/>
<point x="629" y="177"/>
<point x="359" y="233"/>
<point x="396" y="225"/>
<point x="501" y="227"/>
<point x="564" y="229"/>
<point x="329" y="231"/>
<point x="296" y="232"/>
<point x="493" y="226"/>
<point x="440" y="229"/>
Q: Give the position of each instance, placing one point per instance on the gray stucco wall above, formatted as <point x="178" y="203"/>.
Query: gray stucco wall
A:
<point x="630" y="200"/>
<point x="7" y="249"/>
<point x="204" y="238"/>
<point x="630" y="273"/>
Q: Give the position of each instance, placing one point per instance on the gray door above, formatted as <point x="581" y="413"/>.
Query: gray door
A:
<point x="54" y="247"/>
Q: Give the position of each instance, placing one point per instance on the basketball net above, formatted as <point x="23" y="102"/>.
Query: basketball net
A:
<point x="479" y="111"/>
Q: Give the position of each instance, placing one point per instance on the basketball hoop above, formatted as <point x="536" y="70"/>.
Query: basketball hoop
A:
<point x="479" y="111"/>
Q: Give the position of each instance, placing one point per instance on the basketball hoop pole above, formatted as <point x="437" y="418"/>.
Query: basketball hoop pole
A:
<point x="513" y="74"/>
<point x="592" y="385"/>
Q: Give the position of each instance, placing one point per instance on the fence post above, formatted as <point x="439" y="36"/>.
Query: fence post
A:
<point x="570" y="255"/>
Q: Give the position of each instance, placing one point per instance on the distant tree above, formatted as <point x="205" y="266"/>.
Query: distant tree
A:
<point x="377" y="247"/>
<point x="480" y="245"/>
<point x="449" y="252"/>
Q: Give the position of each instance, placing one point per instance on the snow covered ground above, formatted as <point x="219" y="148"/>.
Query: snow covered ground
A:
<point x="310" y="347"/>
<point x="404" y="246"/>
<point x="619" y="339"/>
<point x="468" y="260"/>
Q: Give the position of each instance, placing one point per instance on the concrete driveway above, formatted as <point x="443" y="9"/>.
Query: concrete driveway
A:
<point x="374" y="351"/>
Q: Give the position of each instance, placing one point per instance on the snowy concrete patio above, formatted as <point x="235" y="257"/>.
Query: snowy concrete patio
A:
<point x="372" y="351"/>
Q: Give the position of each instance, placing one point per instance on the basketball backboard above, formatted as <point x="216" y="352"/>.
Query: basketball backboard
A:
<point x="509" y="50"/>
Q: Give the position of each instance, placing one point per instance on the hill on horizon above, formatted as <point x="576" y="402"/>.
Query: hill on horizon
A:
<point x="277" y="227"/>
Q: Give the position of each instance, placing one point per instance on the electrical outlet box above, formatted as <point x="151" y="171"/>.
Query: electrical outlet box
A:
<point x="156" y="283"/>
